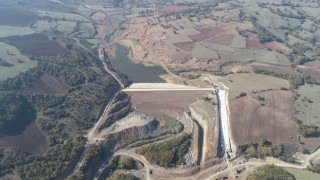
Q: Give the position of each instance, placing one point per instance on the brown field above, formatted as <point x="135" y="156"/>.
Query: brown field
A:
<point x="272" y="45"/>
<point x="253" y="43"/>
<point x="313" y="64"/>
<point x="186" y="46"/>
<point x="46" y="84"/>
<point x="36" y="45"/>
<point x="173" y="8"/>
<point x="223" y="39"/>
<point x="31" y="140"/>
<point x="276" y="69"/>
<point x="252" y="122"/>
<point x="313" y="72"/>
<point x="206" y="33"/>
<point x="172" y="103"/>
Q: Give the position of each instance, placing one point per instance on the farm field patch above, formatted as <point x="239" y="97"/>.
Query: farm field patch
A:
<point x="13" y="62"/>
<point x="266" y="115"/>
<point x="276" y="69"/>
<point x="6" y="31"/>
<point x="36" y="45"/>
<point x="62" y="16"/>
<point x="186" y="46"/>
<point x="15" y="16"/>
<point x="65" y="27"/>
<point x="307" y="104"/>
<point x="248" y="82"/>
<point x="223" y="39"/>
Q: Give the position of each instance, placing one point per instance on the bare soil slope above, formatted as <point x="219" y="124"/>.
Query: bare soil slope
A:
<point x="172" y="103"/>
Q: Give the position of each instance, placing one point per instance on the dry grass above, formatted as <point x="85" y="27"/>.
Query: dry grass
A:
<point x="248" y="82"/>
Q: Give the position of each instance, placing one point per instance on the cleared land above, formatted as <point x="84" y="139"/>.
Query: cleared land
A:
<point x="253" y="119"/>
<point x="36" y="45"/>
<point x="172" y="103"/>
<point x="307" y="104"/>
<point x="248" y="82"/>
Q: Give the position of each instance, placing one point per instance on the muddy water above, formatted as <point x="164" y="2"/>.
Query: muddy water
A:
<point x="137" y="73"/>
<point x="31" y="140"/>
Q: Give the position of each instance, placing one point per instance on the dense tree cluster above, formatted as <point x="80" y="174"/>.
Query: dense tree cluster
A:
<point x="49" y="166"/>
<point x="168" y="153"/>
<point x="315" y="168"/>
<point x="61" y="117"/>
<point x="261" y="150"/>
<point x="294" y="79"/>
<point x="308" y="131"/>
<point x="14" y="109"/>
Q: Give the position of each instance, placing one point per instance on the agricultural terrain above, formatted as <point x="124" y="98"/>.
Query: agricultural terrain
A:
<point x="180" y="89"/>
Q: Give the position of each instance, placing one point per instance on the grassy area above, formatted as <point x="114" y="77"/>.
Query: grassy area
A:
<point x="307" y="104"/>
<point x="62" y="16"/>
<point x="270" y="172"/>
<point x="167" y="123"/>
<point x="168" y="153"/>
<point x="303" y="174"/>
<point x="248" y="82"/>
<point x="87" y="29"/>
<point x="65" y="27"/>
<point x="6" y="31"/>
<point x="16" y="62"/>
<point x="202" y="51"/>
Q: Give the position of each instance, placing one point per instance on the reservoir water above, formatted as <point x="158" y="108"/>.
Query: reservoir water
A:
<point x="137" y="73"/>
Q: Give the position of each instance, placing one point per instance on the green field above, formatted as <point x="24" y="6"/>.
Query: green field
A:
<point x="65" y="27"/>
<point x="87" y="30"/>
<point x="6" y="31"/>
<point x="15" y="62"/>
<point x="200" y="50"/>
<point x="62" y="16"/>
<point x="303" y="174"/>
<point x="307" y="104"/>
<point x="258" y="55"/>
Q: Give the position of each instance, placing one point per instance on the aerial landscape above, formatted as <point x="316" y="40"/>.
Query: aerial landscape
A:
<point x="159" y="89"/>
